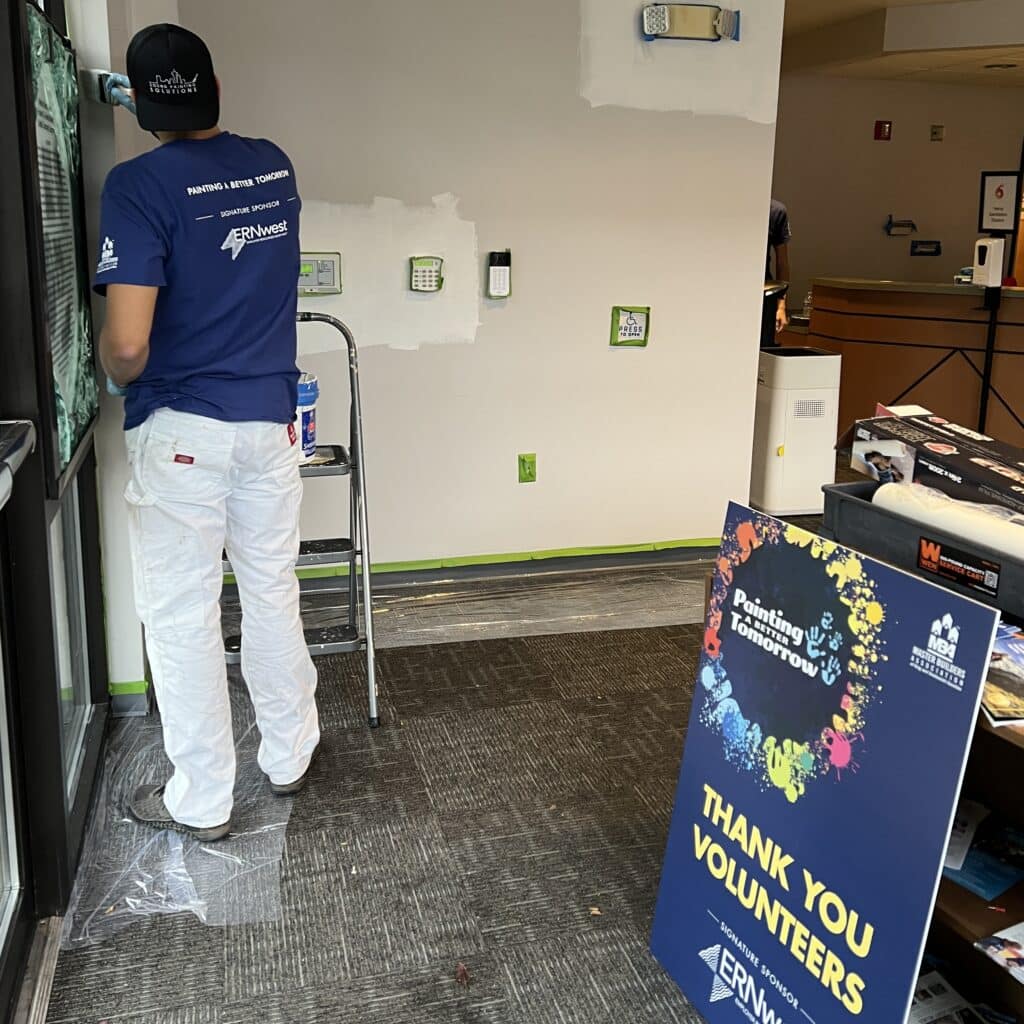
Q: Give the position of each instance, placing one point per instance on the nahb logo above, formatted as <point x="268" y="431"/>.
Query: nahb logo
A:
<point x="937" y="659"/>
<point x="238" y="238"/>
<point x="734" y="981"/>
<point x="108" y="260"/>
<point x="175" y="84"/>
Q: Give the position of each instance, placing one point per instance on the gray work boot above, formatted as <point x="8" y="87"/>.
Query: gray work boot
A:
<point x="148" y="808"/>
<point x="291" y="788"/>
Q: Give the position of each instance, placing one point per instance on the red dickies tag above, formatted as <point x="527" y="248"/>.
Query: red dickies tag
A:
<point x="292" y="436"/>
<point x="185" y="460"/>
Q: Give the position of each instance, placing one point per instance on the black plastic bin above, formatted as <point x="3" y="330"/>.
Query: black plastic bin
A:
<point x="852" y="520"/>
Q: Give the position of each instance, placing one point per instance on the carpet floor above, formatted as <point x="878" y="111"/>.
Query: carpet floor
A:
<point x="510" y="816"/>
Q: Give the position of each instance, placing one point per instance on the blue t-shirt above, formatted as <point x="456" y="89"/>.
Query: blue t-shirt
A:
<point x="214" y="224"/>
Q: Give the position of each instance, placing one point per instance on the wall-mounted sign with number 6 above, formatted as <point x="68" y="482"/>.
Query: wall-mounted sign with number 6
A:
<point x="1000" y="202"/>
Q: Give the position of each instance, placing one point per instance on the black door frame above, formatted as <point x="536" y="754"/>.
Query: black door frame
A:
<point x="54" y="829"/>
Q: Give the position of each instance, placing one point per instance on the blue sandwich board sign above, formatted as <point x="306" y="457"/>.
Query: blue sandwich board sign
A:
<point x="834" y="707"/>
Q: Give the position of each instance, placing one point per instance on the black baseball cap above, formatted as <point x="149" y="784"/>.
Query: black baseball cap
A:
<point x="171" y="71"/>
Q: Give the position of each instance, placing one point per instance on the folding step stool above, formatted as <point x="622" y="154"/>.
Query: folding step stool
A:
<point x="354" y="550"/>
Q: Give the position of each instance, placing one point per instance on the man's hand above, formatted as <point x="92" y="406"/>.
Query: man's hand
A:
<point x="124" y="340"/>
<point x="781" y="316"/>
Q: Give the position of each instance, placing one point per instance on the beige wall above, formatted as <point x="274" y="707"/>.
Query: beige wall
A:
<point x="599" y="206"/>
<point x="840" y="185"/>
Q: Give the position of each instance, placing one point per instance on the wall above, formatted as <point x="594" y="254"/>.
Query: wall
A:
<point x="840" y="185"/>
<point x="599" y="206"/>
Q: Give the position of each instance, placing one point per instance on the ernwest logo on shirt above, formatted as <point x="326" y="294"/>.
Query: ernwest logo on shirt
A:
<point x="175" y="84"/>
<point x="108" y="261"/>
<point x="238" y="238"/>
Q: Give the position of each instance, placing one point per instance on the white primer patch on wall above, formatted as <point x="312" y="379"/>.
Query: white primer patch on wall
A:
<point x="619" y="68"/>
<point x="375" y="242"/>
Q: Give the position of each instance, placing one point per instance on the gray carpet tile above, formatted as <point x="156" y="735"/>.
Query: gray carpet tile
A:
<point x="521" y="783"/>
<point x="202" y="1014"/>
<point x="596" y="977"/>
<point x="360" y="775"/>
<point x="464" y="677"/>
<point x="507" y="756"/>
<point x="636" y="740"/>
<point x="542" y="871"/>
<point x="341" y="693"/>
<point x="425" y="995"/>
<point x="155" y="965"/>
<point x="356" y="903"/>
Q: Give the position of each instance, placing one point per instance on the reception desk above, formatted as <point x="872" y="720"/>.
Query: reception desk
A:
<point x="922" y="344"/>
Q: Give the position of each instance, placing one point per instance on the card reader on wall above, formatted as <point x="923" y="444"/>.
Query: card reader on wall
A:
<point x="320" y="273"/>
<point x="690" y="21"/>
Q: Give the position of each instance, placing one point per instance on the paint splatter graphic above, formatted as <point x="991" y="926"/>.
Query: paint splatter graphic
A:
<point x="788" y="763"/>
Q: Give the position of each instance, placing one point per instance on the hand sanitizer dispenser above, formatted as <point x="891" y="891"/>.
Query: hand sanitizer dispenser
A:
<point x="988" y="262"/>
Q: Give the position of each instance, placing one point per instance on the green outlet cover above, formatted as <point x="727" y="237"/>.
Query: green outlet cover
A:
<point x="631" y="326"/>
<point x="528" y="468"/>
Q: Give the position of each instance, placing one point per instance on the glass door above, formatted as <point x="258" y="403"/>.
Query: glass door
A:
<point x="16" y="890"/>
<point x="70" y="635"/>
<point x="56" y="654"/>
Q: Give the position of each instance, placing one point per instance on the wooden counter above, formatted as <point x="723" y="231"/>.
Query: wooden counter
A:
<point x="921" y="344"/>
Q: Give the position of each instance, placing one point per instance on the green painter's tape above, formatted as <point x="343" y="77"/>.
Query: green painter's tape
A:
<point x="462" y="561"/>
<point x="120" y="688"/>
<point x="700" y="542"/>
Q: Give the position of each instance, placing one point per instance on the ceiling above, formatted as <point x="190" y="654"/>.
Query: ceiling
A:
<point x="802" y="15"/>
<point x="836" y="44"/>
<point x="955" y="67"/>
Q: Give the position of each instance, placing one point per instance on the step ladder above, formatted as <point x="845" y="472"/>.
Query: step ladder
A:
<point x="353" y="550"/>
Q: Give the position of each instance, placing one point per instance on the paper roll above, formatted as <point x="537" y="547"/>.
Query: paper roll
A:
<point x="991" y="526"/>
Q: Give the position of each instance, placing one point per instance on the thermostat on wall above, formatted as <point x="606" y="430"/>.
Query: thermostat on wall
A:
<point x="320" y="273"/>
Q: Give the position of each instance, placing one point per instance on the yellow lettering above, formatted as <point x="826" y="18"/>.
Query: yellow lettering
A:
<point x="832" y="911"/>
<point x="853" y="1000"/>
<point x="814" y="889"/>
<point x="859" y="947"/>
<point x="798" y="947"/>
<point x="815" y="956"/>
<point x="738" y="832"/>
<point x="701" y="842"/>
<point x="833" y="973"/>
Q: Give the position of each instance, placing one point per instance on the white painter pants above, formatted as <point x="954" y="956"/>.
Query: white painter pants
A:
<point x="198" y="486"/>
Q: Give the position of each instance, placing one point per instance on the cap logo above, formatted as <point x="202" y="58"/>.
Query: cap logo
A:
<point x="175" y="84"/>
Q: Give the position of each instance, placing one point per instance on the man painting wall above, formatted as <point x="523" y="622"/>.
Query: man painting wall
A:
<point x="199" y="260"/>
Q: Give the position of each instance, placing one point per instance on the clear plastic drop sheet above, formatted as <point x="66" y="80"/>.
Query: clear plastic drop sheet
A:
<point x="525" y="604"/>
<point x="128" y="870"/>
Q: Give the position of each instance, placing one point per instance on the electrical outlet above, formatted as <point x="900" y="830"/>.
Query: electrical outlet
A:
<point x="528" y="468"/>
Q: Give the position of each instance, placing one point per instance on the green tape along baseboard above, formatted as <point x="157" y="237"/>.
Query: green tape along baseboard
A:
<point x="461" y="561"/>
<point x="124" y="688"/>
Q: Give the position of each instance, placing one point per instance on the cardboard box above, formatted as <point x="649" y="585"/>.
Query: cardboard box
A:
<point x="932" y="451"/>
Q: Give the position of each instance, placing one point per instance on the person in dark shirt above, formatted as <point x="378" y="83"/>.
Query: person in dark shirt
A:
<point x="779" y="235"/>
<point x="199" y="263"/>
